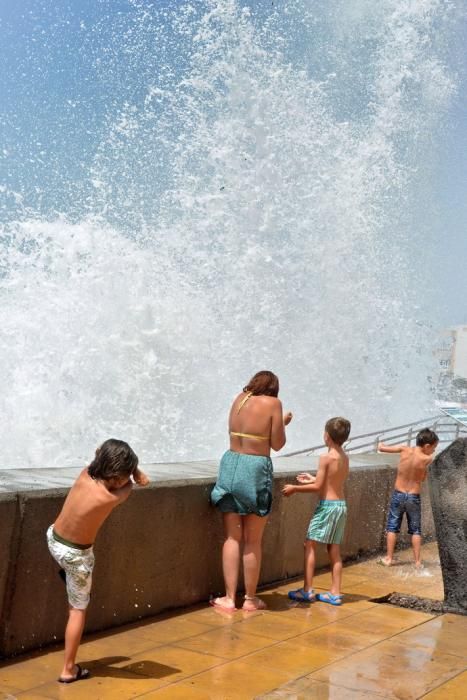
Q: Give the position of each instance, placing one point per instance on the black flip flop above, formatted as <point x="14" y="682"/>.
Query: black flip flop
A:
<point x="81" y="675"/>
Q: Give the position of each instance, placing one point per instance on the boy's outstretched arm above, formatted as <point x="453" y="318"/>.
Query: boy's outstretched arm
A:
<point x="310" y="487"/>
<point x="430" y="461"/>
<point x="140" y="477"/>
<point x="391" y="448"/>
<point x="306" y="478"/>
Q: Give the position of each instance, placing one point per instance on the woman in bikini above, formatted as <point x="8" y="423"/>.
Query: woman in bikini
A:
<point x="243" y="491"/>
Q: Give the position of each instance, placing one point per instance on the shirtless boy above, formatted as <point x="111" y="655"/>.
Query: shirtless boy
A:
<point x="328" y="523"/>
<point x="411" y="472"/>
<point x="98" y="489"/>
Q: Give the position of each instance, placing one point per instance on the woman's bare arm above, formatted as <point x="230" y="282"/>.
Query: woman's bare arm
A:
<point x="277" y="427"/>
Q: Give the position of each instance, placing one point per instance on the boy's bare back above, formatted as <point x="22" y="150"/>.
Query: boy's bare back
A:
<point x="414" y="461"/>
<point x="412" y="470"/>
<point x="333" y="470"/>
<point x="336" y="471"/>
<point x="88" y="504"/>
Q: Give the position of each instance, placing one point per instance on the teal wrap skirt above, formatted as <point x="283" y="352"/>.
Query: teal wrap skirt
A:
<point x="244" y="484"/>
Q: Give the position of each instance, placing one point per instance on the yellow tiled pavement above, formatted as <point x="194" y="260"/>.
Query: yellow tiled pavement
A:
<point x="361" y="650"/>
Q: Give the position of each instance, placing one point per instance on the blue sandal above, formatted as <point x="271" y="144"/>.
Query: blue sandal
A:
<point x="301" y="596"/>
<point x="329" y="598"/>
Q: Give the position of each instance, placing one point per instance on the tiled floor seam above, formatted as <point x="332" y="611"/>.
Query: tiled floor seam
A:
<point x="436" y="687"/>
<point x="382" y="641"/>
<point x="336" y="685"/>
<point x="352" y="653"/>
<point x="228" y="661"/>
<point x="280" y="641"/>
<point x="324" y="684"/>
<point x="330" y="685"/>
<point x="192" y="675"/>
<point x="275" y="642"/>
<point x="211" y="629"/>
<point x="326" y="624"/>
<point x="50" y="697"/>
<point x="165" y="685"/>
<point x="97" y="665"/>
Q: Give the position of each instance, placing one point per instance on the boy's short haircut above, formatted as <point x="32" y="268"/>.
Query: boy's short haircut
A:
<point x="114" y="458"/>
<point x="338" y="429"/>
<point x="426" y="436"/>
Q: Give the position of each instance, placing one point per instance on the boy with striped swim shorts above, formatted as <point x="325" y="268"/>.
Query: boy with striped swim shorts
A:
<point x="328" y="523"/>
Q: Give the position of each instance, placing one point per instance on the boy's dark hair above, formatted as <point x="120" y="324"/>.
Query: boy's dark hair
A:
<point x="426" y="436"/>
<point x="263" y="383"/>
<point x="114" y="458"/>
<point x="338" y="429"/>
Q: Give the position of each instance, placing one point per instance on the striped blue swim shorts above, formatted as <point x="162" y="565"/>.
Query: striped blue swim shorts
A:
<point x="328" y="522"/>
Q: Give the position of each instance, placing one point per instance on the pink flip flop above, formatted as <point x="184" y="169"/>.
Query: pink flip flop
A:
<point x="220" y="606"/>
<point x="256" y="604"/>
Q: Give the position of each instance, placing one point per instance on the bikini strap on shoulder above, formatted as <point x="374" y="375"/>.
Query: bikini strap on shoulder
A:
<point x="244" y="400"/>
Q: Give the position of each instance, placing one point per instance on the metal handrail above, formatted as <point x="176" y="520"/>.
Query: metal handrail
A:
<point x="435" y="423"/>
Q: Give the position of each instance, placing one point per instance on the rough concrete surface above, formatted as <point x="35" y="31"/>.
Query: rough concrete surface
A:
<point x="448" y="489"/>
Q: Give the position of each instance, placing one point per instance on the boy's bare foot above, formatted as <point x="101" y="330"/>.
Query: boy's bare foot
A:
<point x="384" y="561"/>
<point x="253" y="603"/>
<point x="419" y="565"/>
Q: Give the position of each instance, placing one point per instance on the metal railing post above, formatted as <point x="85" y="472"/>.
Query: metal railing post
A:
<point x="409" y="436"/>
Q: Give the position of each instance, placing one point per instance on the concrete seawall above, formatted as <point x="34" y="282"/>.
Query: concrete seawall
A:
<point x="162" y="548"/>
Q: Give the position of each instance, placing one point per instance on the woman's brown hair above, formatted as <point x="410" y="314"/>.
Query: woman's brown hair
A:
<point x="263" y="383"/>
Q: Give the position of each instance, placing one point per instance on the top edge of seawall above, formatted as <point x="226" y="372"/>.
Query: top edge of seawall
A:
<point x="169" y="474"/>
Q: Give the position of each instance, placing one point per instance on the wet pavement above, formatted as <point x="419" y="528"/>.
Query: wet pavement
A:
<point x="361" y="650"/>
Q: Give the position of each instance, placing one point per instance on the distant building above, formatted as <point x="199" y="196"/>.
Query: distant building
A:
<point x="459" y="362"/>
<point x="451" y="357"/>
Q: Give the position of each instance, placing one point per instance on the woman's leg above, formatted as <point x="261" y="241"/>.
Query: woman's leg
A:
<point x="231" y="558"/>
<point x="253" y="529"/>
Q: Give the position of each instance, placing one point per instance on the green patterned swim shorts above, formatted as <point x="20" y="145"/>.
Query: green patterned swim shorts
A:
<point x="78" y="565"/>
<point x="244" y="484"/>
<point x="328" y="523"/>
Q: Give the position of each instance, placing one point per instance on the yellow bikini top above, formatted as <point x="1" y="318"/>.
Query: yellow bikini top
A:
<point x="248" y="435"/>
